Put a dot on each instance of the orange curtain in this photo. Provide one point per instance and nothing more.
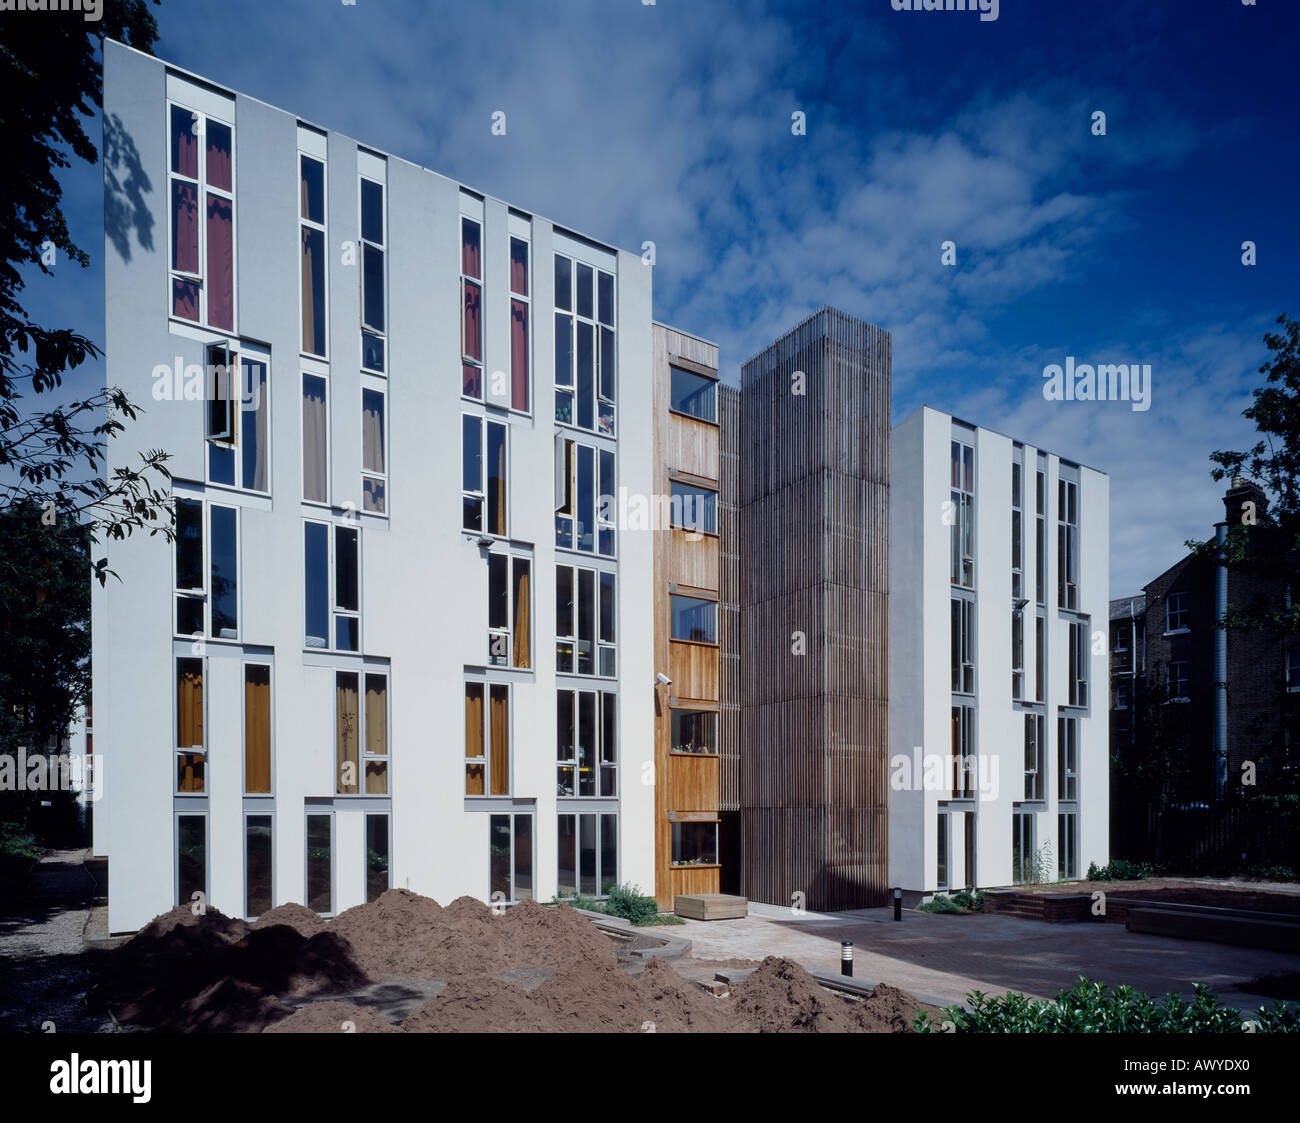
(376, 734)
(347, 760)
(500, 761)
(189, 703)
(257, 730)
(473, 737)
(523, 614)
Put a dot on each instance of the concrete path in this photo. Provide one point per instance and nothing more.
(941, 958)
(43, 972)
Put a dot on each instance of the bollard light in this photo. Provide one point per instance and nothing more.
(846, 958)
(898, 904)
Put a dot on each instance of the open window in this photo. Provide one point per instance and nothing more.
(238, 423)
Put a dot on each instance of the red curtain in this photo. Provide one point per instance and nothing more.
(519, 354)
(473, 337)
(221, 263)
(219, 157)
(469, 248)
(185, 227)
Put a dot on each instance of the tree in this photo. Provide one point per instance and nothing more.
(1270, 546)
(52, 458)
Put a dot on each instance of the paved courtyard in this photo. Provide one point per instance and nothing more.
(940, 958)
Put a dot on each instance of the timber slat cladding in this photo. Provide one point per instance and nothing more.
(729, 606)
(813, 549)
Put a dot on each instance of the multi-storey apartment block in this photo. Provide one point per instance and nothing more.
(399, 639)
(998, 660)
(687, 638)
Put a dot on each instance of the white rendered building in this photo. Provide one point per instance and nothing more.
(999, 742)
(395, 642)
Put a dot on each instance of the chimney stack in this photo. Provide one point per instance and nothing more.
(1241, 492)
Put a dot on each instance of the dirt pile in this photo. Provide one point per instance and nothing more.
(781, 997)
(185, 973)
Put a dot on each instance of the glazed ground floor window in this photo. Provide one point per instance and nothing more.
(191, 858)
(1067, 839)
(695, 844)
(510, 852)
(588, 853)
(377, 856)
(1022, 847)
(320, 863)
(258, 866)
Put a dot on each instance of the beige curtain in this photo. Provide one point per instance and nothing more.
(473, 737)
(254, 391)
(347, 735)
(257, 730)
(523, 614)
(372, 432)
(313, 439)
(376, 734)
(500, 761)
(309, 266)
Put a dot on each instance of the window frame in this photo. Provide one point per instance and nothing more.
(485, 423)
(511, 817)
(202, 187)
(961, 482)
(322, 228)
(364, 756)
(678, 837)
(238, 352)
(1181, 612)
(1035, 757)
(514, 558)
(177, 816)
(711, 386)
(962, 646)
(309, 814)
(371, 384)
(204, 593)
(1068, 731)
(179, 750)
(479, 282)
(488, 685)
(334, 611)
(525, 299)
(672, 619)
(365, 850)
(604, 414)
(601, 649)
(323, 379)
(267, 813)
(269, 665)
(382, 248)
(604, 756)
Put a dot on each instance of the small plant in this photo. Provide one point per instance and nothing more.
(971, 902)
(628, 902)
(1090, 1007)
(1041, 867)
(1270, 873)
(940, 903)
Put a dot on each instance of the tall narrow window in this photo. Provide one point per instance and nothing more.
(484, 480)
(588, 854)
(311, 215)
(962, 480)
(257, 729)
(191, 858)
(1017, 654)
(238, 427)
(315, 440)
(207, 571)
(963, 646)
(941, 839)
(258, 866)
(1034, 756)
(332, 586)
(1067, 544)
(471, 302)
(1040, 533)
(377, 864)
(1078, 664)
(520, 313)
(1040, 657)
(373, 276)
(1022, 847)
(224, 571)
(191, 747)
(347, 734)
(1067, 845)
(1017, 531)
(374, 472)
(521, 611)
(585, 352)
(510, 857)
(965, 765)
(1067, 759)
(320, 863)
(487, 739)
(361, 734)
(201, 175)
(375, 737)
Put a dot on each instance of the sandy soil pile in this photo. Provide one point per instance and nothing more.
(213, 973)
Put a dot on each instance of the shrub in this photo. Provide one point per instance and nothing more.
(1119, 869)
(971, 902)
(1270, 873)
(627, 901)
(18, 843)
(1090, 1007)
(940, 902)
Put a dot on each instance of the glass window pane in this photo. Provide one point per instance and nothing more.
(694, 395)
(693, 619)
(372, 211)
(219, 156)
(585, 295)
(372, 289)
(499, 857)
(185, 229)
(471, 248)
(316, 565)
(189, 544)
(346, 587)
(254, 407)
(376, 856)
(320, 864)
(224, 560)
(563, 283)
(587, 854)
(257, 729)
(257, 865)
(586, 499)
(606, 300)
(372, 431)
(518, 267)
(607, 608)
(496, 478)
(184, 147)
(191, 857)
(498, 591)
(608, 852)
(314, 438)
(567, 851)
(312, 196)
(523, 857)
(347, 733)
(587, 743)
(694, 508)
(607, 364)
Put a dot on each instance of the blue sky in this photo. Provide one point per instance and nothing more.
(671, 122)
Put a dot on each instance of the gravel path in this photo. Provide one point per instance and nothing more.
(43, 968)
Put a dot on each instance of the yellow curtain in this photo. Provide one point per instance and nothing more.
(497, 515)
(257, 729)
(523, 637)
(347, 761)
(500, 761)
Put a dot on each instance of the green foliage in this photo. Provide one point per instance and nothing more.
(627, 901)
(971, 902)
(1042, 869)
(52, 458)
(940, 903)
(1119, 869)
(1270, 873)
(18, 843)
(956, 904)
(1090, 1007)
